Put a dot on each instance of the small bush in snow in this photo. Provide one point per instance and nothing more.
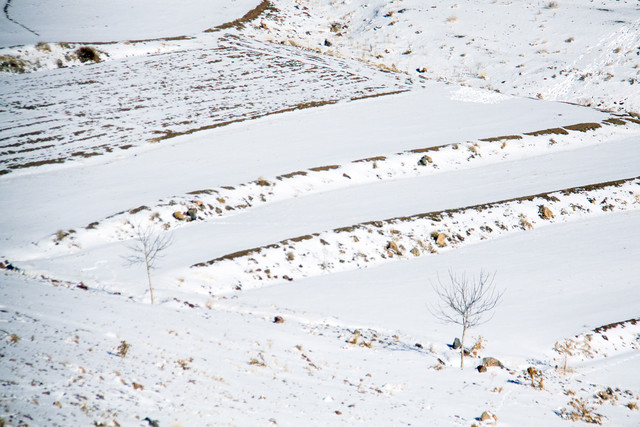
(123, 348)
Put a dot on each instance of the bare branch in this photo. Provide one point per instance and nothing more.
(147, 248)
(465, 302)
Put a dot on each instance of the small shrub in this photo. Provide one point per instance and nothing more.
(14, 339)
(43, 47)
(258, 361)
(60, 234)
(535, 376)
(581, 412)
(12, 64)
(184, 364)
(479, 345)
(86, 53)
(123, 348)
(263, 182)
(552, 5)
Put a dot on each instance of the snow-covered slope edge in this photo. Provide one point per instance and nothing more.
(378, 241)
(582, 52)
(207, 204)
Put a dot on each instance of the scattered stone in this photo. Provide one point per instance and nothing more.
(441, 240)
(193, 214)
(327, 43)
(456, 344)
(415, 251)
(278, 319)
(178, 215)
(491, 361)
(488, 416)
(152, 423)
(481, 368)
(425, 160)
(545, 212)
(393, 246)
(418, 345)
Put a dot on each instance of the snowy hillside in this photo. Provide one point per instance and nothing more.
(317, 169)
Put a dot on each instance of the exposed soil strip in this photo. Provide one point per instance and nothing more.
(248, 17)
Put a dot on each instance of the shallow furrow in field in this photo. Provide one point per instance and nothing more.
(119, 104)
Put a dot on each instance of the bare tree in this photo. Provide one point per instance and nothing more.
(147, 249)
(465, 302)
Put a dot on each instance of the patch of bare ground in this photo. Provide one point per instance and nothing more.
(253, 14)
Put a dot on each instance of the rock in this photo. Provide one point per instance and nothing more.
(491, 361)
(481, 368)
(456, 344)
(415, 251)
(418, 345)
(488, 416)
(178, 215)
(393, 246)
(545, 212)
(327, 43)
(425, 160)
(193, 214)
(441, 240)
(278, 319)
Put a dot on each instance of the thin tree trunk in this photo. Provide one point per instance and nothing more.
(464, 332)
(149, 278)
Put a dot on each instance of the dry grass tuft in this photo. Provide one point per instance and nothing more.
(43, 47)
(86, 54)
(123, 348)
(12, 64)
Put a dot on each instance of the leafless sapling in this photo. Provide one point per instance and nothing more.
(465, 301)
(147, 249)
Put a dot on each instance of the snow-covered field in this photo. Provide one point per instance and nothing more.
(319, 167)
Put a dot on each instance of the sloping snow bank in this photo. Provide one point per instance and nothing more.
(114, 20)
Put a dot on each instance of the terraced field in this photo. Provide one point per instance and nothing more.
(56, 116)
(311, 203)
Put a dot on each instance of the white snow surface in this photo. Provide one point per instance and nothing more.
(30, 21)
(330, 186)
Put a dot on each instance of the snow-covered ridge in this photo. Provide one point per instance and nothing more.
(374, 242)
(208, 204)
